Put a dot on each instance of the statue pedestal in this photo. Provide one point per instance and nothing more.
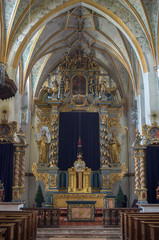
(11, 206)
(149, 207)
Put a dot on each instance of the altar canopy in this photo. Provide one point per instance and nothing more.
(72, 125)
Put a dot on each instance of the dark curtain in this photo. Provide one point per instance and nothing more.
(6, 169)
(152, 173)
(71, 124)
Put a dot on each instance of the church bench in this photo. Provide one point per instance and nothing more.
(29, 222)
(10, 230)
(34, 220)
(18, 230)
(131, 223)
(127, 210)
(137, 233)
(26, 222)
(145, 230)
(3, 233)
(127, 227)
(154, 232)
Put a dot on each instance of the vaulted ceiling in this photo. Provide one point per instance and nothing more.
(38, 34)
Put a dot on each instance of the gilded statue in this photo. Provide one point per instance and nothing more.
(102, 88)
(43, 147)
(114, 148)
(91, 86)
(54, 86)
(66, 87)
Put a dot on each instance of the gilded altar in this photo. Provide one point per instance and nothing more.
(60, 199)
(149, 137)
(9, 134)
(80, 86)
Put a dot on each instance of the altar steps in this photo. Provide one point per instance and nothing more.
(79, 232)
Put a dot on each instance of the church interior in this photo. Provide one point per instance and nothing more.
(79, 106)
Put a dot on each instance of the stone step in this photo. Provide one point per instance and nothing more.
(111, 233)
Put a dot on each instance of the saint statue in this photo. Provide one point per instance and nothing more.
(67, 87)
(54, 86)
(114, 148)
(1, 191)
(43, 147)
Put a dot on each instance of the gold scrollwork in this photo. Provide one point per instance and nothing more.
(114, 122)
(41, 176)
(59, 200)
(54, 139)
(42, 121)
(7, 130)
(105, 181)
(114, 177)
(53, 180)
(79, 100)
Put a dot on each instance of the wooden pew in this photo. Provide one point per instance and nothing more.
(131, 223)
(34, 221)
(137, 225)
(127, 227)
(19, 228)
(30, 218)
(26, 222)
(145, 230)
(3, 232)
(10, 230)
(126, 210)
(154, 232)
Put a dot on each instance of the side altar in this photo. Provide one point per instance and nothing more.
(78, 87)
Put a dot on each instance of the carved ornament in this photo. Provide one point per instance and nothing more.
(114, 177)
(42, 121)
(41, 176)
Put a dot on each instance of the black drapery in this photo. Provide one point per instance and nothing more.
(152, 172)
(6, 169)
(70, 126)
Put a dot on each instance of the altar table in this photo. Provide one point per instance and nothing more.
(81, 211)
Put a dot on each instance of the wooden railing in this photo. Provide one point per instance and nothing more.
(111, 216)
(50, 217)
(47, 217)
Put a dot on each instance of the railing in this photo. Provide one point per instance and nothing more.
(50, 217)
(47, 217)
(111, 216)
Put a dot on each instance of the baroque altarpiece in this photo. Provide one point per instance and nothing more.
(80, 89)
(9, 134)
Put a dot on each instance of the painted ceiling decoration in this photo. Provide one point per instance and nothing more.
(37, 35)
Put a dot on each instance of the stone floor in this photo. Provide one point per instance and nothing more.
(76, 233)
